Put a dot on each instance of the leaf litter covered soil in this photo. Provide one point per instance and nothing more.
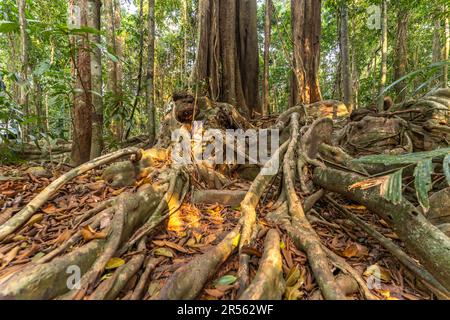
(188, 232)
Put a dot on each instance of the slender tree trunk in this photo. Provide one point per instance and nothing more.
(345, 59)
(267, 34)
(384, 49)
(38, 105)
(186, 30)
(140, 66)
(437, 42)
(401, 52)
(446, 52)
(226, 66)
(115, 73)
(23, 95)
(306, 30)
(82, 97)
(94, 16)
(151, 124)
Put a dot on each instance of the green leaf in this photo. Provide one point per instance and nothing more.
(8, 26)
(423, 183)
(114, 263)
(225, 280)
(446, 166)
(393, 192)
(408, 158)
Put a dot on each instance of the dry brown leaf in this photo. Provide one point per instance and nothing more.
(35, 219)
(355, 250)
(9, 256)
(9, 192)
(50, 209)
(165, 243)
(63, 237)
(215, 293)
(89, 234)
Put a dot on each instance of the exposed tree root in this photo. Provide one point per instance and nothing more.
(427, 242)
(49, 280)
(268, 283)
(248, 207)
(110, 288)
(187, 282)
(27, 212)
(141, 286)
(396, 251)
(304, 235)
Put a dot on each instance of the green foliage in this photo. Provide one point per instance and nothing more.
(423, 162)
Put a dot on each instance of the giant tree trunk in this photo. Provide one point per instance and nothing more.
(401, 52)
(267, 31)
(345, 58)
(306, 30)
(23, 97)
(227, 54)
(94, 17)
(151, 125)
(82, 99)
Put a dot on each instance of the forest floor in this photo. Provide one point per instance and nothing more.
(191, 231)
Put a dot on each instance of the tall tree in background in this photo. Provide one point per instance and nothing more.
(23, 94)
(115, 69)
(436, 57)
(150, 81)
(401, 52)
(82, 96)
(267, 34)
(384, 52)
(446, 51)
(227, 54)
(94, 16)
(306, 30)
(347, 83)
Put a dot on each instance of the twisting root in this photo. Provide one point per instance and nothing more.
(304, 235)
(434, 285)
(138, 292)
(111, 246)
(27, 212)
(170, 204)
(110, 288)
(342, 265)
(268, 283)
(248, 207)
(94, 222)
(188, 281)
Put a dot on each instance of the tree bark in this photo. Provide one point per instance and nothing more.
(436, 57)
(430, 245)
(82, 99)
(306, 30)
(226, 66)
(267, 34)
(384, 49)
(151, 124)
(345, 59)
(446, 52)
(23, 95)
(401, 52)
(115, 70)
(94, 16)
